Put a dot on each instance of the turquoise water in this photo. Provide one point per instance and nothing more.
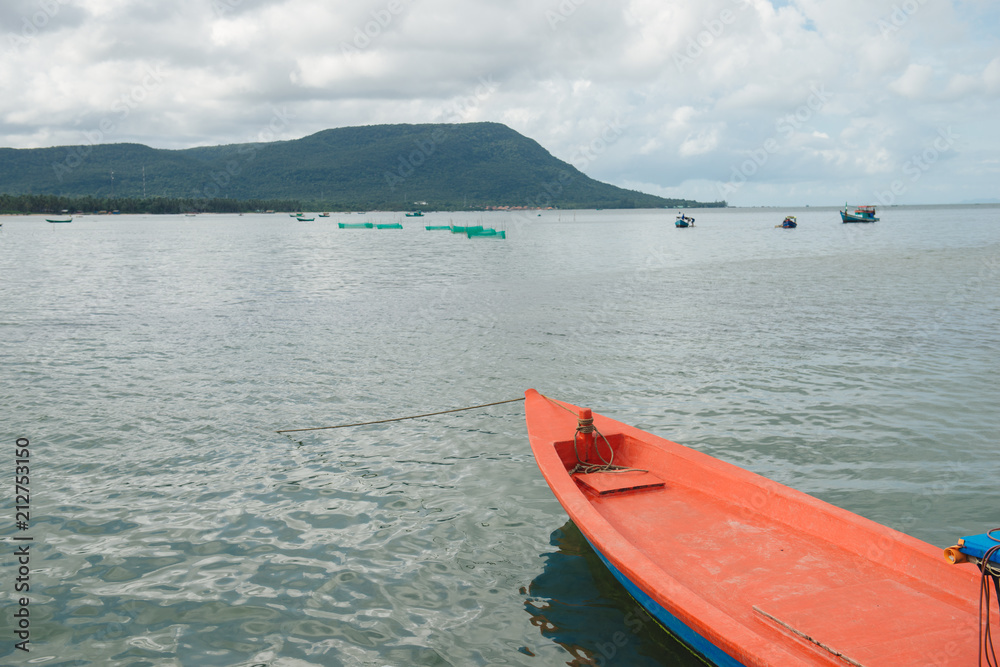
(150, 360)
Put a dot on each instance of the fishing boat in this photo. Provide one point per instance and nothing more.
(54, 220)
(747, 571)
(683, 221)
(304, 219)
(415, 214)
(325, 214)
(789, 222)
(861, 214)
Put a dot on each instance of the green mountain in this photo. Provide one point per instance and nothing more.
(443, 166)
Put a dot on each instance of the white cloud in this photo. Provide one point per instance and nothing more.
(704, 141)
(694, 87)
(915, 81)
(991, 77)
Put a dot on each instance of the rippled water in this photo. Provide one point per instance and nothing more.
(150, 361)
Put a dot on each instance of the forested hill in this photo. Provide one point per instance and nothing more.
(465, 165)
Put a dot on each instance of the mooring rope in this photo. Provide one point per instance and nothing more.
(587, 426)
(988, 572)
(398, 419)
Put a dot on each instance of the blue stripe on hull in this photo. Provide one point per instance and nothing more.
(694, 640)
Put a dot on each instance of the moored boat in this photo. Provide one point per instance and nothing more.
(304, 219)
(54, 220)
(415, 214)
(747, 571)
(683, 221)
(861, 214)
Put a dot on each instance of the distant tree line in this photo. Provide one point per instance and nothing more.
(28, 203)
(48, 204)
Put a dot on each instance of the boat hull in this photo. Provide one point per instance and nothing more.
(671, 623)
(747, 571)
(847, 217)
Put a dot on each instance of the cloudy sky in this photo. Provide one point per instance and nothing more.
(759, 102)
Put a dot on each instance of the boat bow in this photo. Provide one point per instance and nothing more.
(745, 570)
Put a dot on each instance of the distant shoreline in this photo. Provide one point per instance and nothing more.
(771, 207)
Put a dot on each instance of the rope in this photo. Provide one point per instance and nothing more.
(559, 405)
(397, 419)
(585, 426)
(989, 572)
(605, 465)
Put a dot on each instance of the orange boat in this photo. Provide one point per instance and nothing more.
(747, 571)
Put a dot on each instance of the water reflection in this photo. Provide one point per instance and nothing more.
(577, 603)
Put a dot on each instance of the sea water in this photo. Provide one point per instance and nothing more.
(148, 361)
